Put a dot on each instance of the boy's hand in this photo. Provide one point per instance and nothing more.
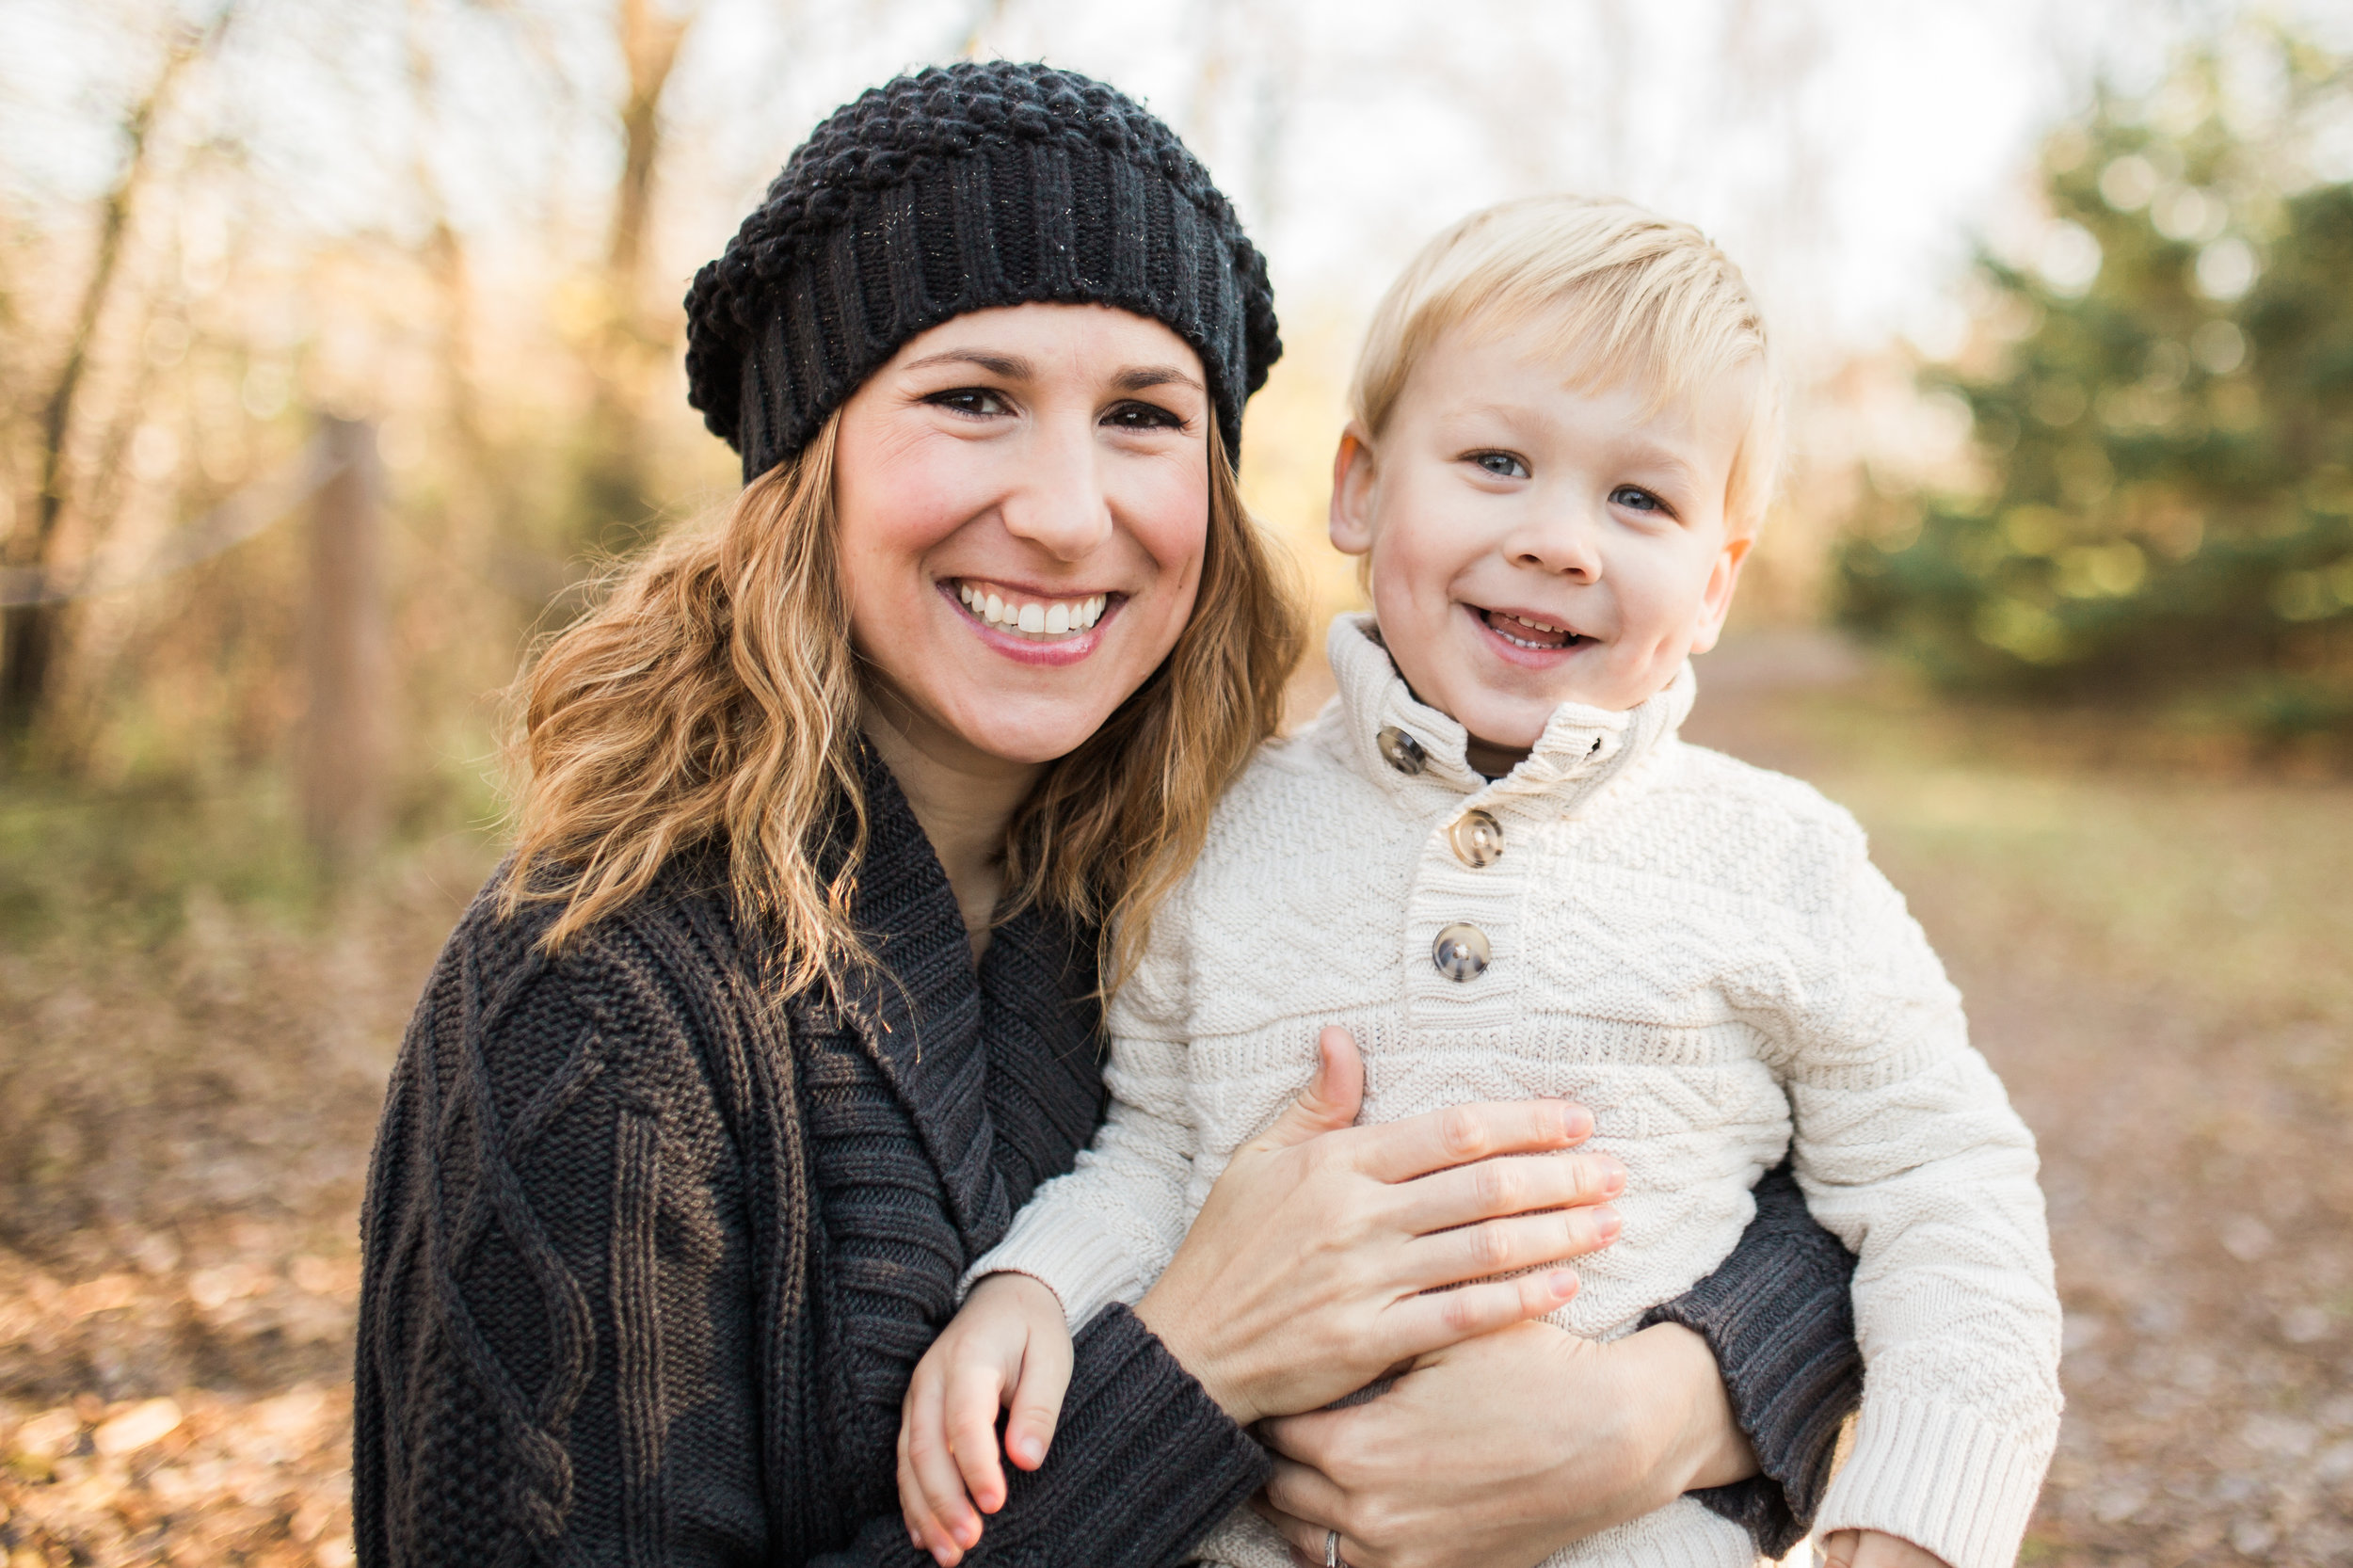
(1008, 1348)
(1876, 1549)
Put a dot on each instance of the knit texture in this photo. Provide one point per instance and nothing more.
(649, 1256)
(1698, 951)
(1785, 1346)
(962, 188)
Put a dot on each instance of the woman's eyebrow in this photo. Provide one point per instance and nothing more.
(1012, 367)
(1143, 377)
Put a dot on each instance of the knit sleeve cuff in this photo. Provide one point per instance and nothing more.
(1068, 1251)
(1779, 1315)
(1143, 1463)
(1942, 1477)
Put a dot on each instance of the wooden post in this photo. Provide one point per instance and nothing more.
(344, 731)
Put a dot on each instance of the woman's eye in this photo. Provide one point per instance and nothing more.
(1501, 464)
(1635, 498)
(977, 401)
(1142, 416)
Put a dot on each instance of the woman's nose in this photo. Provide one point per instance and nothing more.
(1060, 505)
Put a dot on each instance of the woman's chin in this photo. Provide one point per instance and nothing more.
(1028, 739)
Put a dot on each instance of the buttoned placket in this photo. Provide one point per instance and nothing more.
(1464, 937)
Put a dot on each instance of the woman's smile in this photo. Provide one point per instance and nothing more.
(1031, 626)
(1023, 497)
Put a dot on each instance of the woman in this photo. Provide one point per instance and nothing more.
(787, 998)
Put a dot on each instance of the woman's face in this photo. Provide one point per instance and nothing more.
(1023, 500)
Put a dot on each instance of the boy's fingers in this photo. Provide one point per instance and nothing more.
(936, 1482)
(910, 1514)
(976, 1391)
(1443, 1318)
(922, 1530)
(1037, 1399)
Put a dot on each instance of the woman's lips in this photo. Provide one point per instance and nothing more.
(1083, 619)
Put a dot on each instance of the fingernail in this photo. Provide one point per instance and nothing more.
(1576, 1121)
(1028, 1449)
(1613, 1183)
(1563, 1285)
(1607, 1221)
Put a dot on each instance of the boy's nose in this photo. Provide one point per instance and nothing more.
(1563, 543)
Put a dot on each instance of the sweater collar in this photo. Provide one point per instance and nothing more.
(928, 1018)
(1581, 751)
(921, 1017)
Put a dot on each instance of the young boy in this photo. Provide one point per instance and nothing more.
(1492, 860)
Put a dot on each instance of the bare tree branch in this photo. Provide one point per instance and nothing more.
(28, 632)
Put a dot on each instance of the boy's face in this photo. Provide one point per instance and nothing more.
(1533, 545)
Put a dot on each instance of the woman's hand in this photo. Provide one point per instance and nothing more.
(1321, 1259)
(1501, 1451)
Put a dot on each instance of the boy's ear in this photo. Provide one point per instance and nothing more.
(1355, 483)
(1716, 602)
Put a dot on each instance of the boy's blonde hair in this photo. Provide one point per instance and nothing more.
(1624, 294)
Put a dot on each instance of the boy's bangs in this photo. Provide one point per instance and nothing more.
(1603, 340)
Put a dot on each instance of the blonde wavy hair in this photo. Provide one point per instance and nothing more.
(713, 699)
(1616, 293)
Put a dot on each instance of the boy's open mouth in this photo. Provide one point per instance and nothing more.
(1526, 631)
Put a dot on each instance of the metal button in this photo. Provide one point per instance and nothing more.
(1401, 751)
(1477, 839)
(1461, 952)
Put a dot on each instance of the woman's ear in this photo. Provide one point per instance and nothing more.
(1355, 486)
(1716, 601)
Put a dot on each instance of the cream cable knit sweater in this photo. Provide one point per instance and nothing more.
(1698, 951)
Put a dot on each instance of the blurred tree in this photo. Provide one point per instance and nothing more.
(628, 343)
(30, 633)
(2162, 401)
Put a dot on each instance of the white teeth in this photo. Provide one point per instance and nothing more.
(1054, 618)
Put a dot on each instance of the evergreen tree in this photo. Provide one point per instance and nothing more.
(2165, 419)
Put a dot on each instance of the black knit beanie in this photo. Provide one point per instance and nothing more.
(961, 188)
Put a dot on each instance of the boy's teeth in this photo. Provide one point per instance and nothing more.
(1539, 634)
(1040, 618)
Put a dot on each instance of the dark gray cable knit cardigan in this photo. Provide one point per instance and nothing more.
(651, 1257)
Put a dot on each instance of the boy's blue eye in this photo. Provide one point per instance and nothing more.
(1501, 464)
(1638, 499)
